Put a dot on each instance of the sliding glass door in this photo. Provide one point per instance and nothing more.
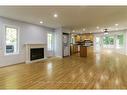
(114, 41)
(119, 41)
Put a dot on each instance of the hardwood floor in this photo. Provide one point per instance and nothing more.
(105, 70)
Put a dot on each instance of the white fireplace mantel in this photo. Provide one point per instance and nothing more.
(28, 46)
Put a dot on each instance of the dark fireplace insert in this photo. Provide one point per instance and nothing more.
(36, 53)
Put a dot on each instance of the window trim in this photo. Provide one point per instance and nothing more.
(17, 28)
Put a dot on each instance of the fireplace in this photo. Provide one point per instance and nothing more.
(36, 53)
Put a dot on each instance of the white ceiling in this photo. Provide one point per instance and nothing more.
(73, 17)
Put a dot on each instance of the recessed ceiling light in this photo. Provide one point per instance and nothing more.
(97, 27)
(73, 31)
(55, 15)
(116, 24)
(84, 29)
(41, 22)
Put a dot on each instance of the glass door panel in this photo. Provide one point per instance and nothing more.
(119, 41)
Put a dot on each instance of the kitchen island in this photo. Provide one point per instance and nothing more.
(83, 51)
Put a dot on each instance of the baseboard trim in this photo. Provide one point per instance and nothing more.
(11, 64)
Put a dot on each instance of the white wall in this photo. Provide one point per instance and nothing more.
(58, 42)
(29, 33)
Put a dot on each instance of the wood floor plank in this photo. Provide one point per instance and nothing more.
(104, 70)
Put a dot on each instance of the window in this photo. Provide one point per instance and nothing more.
(49, 41)
(11, 43)
(108, 41)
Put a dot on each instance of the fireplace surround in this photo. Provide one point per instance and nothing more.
(35, 52)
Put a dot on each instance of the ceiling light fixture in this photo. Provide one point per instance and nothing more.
(84, 29)
(73, 31)
(116, 24)
(97, 27)
(55, 15)
(41, 22)
(105, 31)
